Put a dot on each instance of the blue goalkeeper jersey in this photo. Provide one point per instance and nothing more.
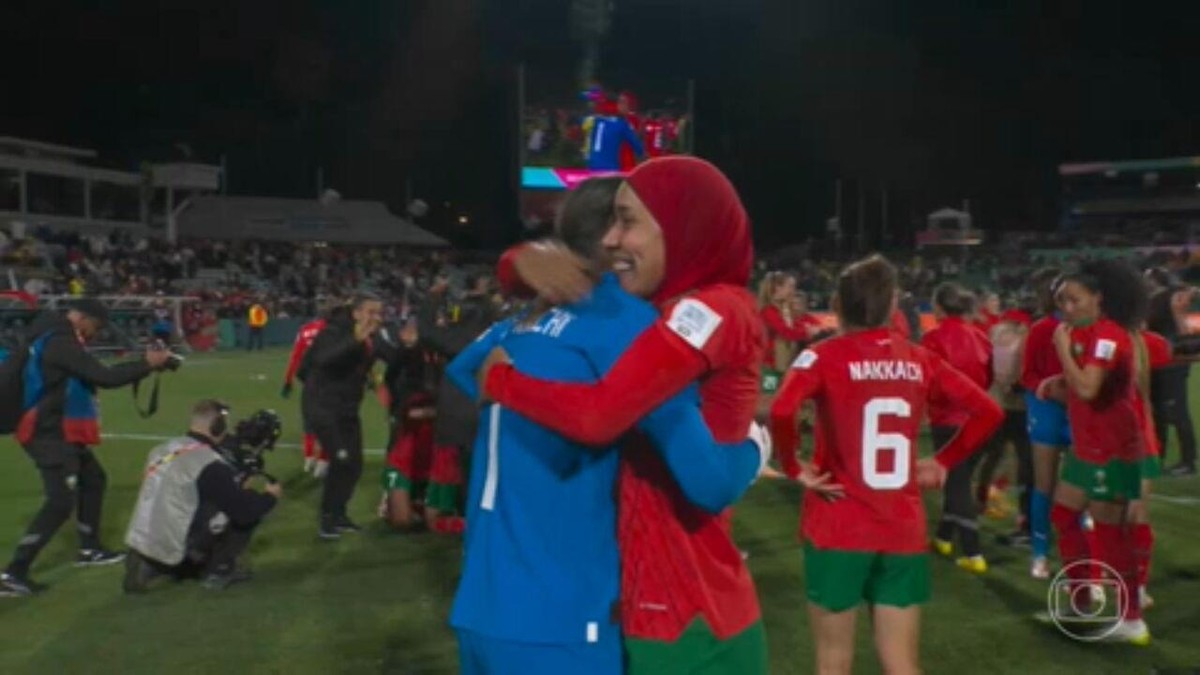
(540, 561)
(604, 143)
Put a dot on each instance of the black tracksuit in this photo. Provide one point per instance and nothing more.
(1169, 387)
(334, 371)
(72, 478)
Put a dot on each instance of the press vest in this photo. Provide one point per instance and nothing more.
(168, 499)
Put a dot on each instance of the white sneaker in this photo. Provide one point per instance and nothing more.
(309, 462)
(1131, 632)
(320, 469)
(1040, 569)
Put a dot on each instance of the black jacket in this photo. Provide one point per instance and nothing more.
(462, 322)
(64, 357)
(335, 369)
(219, 487)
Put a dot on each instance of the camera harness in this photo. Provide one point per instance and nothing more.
(152, 404)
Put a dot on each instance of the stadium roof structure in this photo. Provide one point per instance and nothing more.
(1108, 167)
(269, 218)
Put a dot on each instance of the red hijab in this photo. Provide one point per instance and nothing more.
(705, 227)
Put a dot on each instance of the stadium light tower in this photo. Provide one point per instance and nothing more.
(590, 21)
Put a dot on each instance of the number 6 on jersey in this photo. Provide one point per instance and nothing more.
(874, 442)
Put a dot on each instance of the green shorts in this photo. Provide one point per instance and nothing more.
(1116, 481)
(394, 479)
(699, 651)
(442, 497)
(1151, 467)
(841, 580)
(770, 380)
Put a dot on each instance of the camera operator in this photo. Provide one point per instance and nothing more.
(194, 512)
(57, 432)
(335, 377)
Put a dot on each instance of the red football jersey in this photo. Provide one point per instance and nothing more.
(655, 135)
(412, 453)
(1109, 426)
(963, 346)
(304, 339)
(1040, 361)
(1158, 350)
(871, 391)
(678, 561)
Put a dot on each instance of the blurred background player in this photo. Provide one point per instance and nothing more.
(1049, 433)
(409, 463)
(1154, 354)
(967, 349)
(405, 377)
(863, 521)
(316, 459)
(627, 108)
(1169, 304)
(609, 132)
(786, 333)
(447, 325)
(1102, 304)
(1008, 341)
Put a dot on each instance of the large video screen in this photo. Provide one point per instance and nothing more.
(570, 133)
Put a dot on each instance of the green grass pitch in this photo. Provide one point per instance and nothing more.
(377, 603)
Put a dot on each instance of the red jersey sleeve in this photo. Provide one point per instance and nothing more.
(700, 333)
(510, 282)
(933, 342)
(299, 346)
(803, 382)
(1158, 350)
(950, 388)
(657, 366)
(779, 328)
(1102, 347)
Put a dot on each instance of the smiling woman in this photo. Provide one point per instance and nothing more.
(636, 245)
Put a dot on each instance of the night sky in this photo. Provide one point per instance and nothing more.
(934, 101)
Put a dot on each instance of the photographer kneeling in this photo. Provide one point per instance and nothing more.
(194, 514)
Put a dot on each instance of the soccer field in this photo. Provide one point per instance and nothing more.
(379, 602)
